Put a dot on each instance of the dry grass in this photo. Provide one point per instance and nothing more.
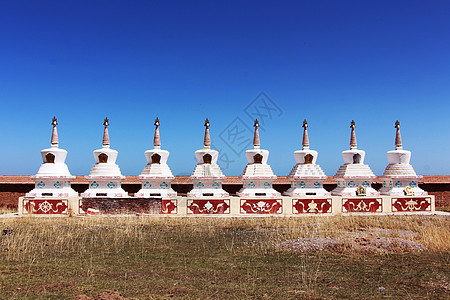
(6, 210)
(160, 257)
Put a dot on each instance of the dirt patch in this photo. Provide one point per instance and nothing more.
(81, 297)
(359, 244)
(109, 295)
(106, 295)
(60, 286)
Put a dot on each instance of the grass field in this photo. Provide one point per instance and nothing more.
(223, 258)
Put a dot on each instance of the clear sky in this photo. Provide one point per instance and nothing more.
(183, 61)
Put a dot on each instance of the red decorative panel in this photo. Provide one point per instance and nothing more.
(362, 205)
(169, 206)
(300, 206)
(46, 206)
(411, 204)
(261, 206)
(208, 206)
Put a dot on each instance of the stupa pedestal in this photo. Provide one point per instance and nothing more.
(399, 178)
(156, 177)
(207, 177)
(354, 178)
(105, 178)
(306, 176)
(257, 176)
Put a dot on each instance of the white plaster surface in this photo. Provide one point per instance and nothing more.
(207, 178)
(105, 178)
(399, 175)
(53, 179)
(156, 178)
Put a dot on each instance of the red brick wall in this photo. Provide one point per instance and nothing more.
(10, 193)
(440, 190)
(442, 198)
(10, 199)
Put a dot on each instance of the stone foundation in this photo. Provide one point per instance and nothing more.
(228, 206)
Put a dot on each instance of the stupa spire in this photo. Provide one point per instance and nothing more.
(398, 137)
(105, 142)
(54, 140)
(305, 142)
(256, 142)
(353, 143)
(207, 139)
(156, 138)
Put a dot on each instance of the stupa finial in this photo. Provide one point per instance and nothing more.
(156, 138)
(398, 137)
(256, 142)
(54, 140)
(353, 143)
(207, 139)
(105, 142)
(305, 142)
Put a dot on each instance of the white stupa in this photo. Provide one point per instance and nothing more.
(257, 176)
(105, 178)
(207, 176)
(53, 178)
(354, 178)
(306, 177)
(399, 178)
(156, 176)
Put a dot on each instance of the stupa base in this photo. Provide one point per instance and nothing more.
(52, 186)
(105, 193)
(258, 187)
(306, 192)
(402, 192)
(401, 186)
(354, 186)
(155, 185)
(255, 192)
(207, 187)
(353, 192)
(46, 193)
(151, 193)
(198, 193)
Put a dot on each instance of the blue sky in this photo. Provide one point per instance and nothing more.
(183, 61)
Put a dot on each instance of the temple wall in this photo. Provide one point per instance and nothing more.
(228, 206)
(13, 187)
